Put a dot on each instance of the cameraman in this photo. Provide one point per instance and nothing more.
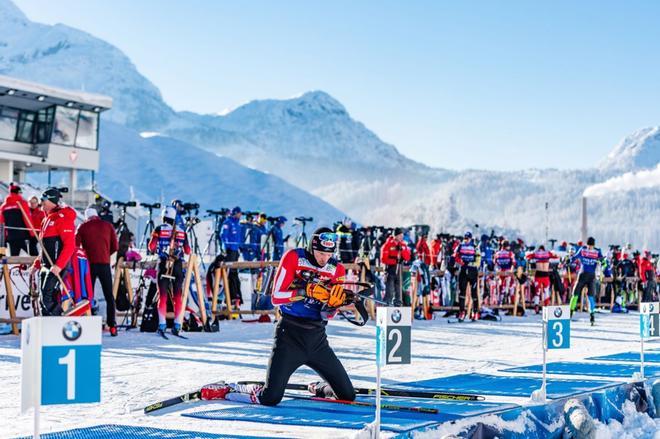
(392, 253)
(232, 233)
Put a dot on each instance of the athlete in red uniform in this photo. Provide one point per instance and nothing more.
(308, 291)
(541, 276)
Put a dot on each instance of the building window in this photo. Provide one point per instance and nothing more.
(44, 128)
(8, 120)
(87, 129)
(66, 123)
(25, 127)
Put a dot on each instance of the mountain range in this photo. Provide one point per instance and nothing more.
(311, 141)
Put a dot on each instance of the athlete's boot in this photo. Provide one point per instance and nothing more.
(592, 319)
(573, 303)
(461, 316)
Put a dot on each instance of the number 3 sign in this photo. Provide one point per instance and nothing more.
(393, 335)
(558, 327)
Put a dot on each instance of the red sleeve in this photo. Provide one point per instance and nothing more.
(340, 273)
(529, 256)
(186, 246)
(286, 272)
(405, 252)
(27, 218)
(66, 232)
(153, 242)
(385, 252)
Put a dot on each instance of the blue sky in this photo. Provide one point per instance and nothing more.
(487, 84)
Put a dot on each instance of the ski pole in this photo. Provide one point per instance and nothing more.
(427, 410)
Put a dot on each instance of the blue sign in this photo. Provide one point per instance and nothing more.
(70, 374)
(645, 325)
(558, 334)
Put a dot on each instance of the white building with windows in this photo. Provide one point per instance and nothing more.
(50, 135)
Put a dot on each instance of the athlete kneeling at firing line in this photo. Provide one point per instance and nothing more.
(304, 290)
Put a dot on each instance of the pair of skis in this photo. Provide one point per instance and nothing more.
(403, 393)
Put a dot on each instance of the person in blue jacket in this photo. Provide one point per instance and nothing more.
(277, 233)
(590, 257)
(231, 236)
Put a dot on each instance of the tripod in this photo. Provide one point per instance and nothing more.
(301, 240)
(123, 233)
(150, 226)
(218, 218)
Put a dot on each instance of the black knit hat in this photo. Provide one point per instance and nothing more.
(52, 194)
(323, 240)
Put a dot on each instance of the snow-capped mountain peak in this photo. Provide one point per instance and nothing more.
(639, 150)
(9, 12)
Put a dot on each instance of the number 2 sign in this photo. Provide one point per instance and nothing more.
(393, 335)
(558, 327)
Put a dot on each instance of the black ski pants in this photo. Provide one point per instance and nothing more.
(50, 292)
(16, 245)
(103, 273)
(297, 344)
(585, 280)
(234, 281)
(393, 293)
(468, 276)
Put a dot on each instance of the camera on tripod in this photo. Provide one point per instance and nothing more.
(222, 212)
(125, 204)
(151, 206)
(190, 206)
(192, 221)
(303, 219)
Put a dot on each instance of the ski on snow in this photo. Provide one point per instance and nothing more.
(401, 393)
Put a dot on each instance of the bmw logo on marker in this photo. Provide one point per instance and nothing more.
(396, 316)
(72, 330)
(558, 312)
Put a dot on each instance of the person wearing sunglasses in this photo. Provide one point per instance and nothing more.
(307, 289)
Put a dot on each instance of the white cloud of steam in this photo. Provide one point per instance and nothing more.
(628, 181)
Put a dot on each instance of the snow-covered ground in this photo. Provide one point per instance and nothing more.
(138, 369)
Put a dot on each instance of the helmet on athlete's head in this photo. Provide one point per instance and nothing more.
(169, 212)
(468, 235)
(323, 240)
(281, 219)
(591, 241)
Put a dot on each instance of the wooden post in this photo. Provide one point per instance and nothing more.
(10, 292)
(118, 270)
(200, 292)
(186, 286)
(413, 294)
(216, 287)
(225, 283)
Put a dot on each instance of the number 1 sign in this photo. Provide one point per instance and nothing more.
(61, 362)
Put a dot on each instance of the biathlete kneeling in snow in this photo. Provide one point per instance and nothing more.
(307, 289)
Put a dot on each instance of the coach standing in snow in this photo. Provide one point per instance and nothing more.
(232, 239)
(99, 240)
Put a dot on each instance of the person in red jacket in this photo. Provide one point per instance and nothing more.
(58, 245)
(392, 254)
(436, 251)
(17, 232)
(37, 215)
(99, 240)
(647, 276)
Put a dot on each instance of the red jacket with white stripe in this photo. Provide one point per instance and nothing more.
(296, 269)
